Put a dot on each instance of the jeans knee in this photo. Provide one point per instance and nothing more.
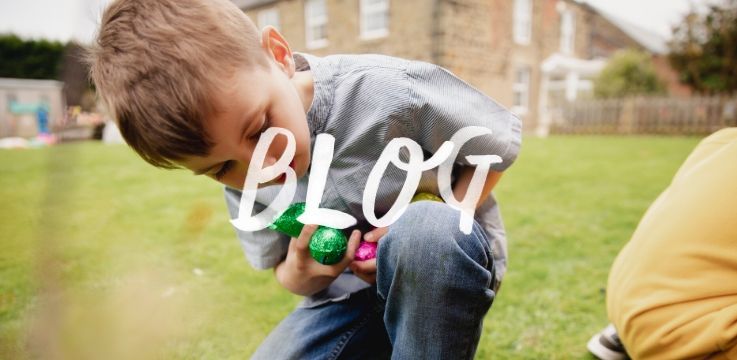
(424, 254)
(421, 225)
(428, 232)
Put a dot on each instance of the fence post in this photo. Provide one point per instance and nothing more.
(729, 111)
(627, 118)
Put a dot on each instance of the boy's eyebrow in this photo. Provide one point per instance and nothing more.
(246, 126)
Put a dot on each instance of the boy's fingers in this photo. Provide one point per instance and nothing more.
(375, 234)
(369, 278)
(303, 241)
(365, 267)
(350, 252)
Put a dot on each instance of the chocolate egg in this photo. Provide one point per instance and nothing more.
(366, 251)
(426, 196)
(327, 245)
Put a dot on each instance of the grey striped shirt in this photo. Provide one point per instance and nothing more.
(364, 101)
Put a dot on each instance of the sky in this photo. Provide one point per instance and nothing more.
(51, 19)
(76, 19)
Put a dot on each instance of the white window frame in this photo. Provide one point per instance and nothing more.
(315, 20)
(522, 21)
(521, 86)
(269, 16)
(368, 9)
(567, 32)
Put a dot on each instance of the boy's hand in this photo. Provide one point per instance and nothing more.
(366, 270)
(301, 274)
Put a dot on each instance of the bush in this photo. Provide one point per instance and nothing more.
(628, 73)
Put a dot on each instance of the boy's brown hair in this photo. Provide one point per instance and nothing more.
(155, 64)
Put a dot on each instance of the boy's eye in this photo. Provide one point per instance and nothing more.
(264, 127)
(224, 169)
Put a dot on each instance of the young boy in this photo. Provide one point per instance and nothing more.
(193, 83)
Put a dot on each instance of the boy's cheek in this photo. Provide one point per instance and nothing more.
(233, 179)
(276, 150)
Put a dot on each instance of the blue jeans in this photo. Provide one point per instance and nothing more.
(434, 286)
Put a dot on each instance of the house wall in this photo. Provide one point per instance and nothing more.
(26, 92)
(605, 38)
(410, 28)
(468, 43)
(477, 45)
(670, 77)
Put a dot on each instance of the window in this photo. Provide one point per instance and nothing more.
(522, 21)
(316, 23)
(268, 17)
(374, 18)
(567, 32)
(521, 90)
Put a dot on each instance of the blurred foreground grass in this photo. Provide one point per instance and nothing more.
(103, 256)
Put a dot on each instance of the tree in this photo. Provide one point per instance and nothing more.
(628, 72)
(704, 49)
(30, 59)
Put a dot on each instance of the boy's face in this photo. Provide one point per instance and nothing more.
(251, 101)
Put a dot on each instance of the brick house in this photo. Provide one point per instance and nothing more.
(529, 55)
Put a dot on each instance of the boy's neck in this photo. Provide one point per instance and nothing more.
(304, 84)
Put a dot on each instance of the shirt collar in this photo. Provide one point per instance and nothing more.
(322, 99)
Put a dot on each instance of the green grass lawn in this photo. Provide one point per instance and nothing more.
(103, 256)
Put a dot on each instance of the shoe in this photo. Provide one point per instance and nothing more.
(606, 345)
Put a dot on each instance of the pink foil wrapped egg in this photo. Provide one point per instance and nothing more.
(366, 251)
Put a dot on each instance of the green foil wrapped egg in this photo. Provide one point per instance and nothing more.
(287, 222)
(426, 196)
(327, 245)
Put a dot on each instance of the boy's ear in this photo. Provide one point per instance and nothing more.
(277, 49)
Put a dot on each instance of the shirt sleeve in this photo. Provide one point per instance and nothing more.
(441, 104)
(265, 248)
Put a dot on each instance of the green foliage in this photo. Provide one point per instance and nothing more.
(30, 59)
(704, 49)
(628, 73)
(79, 221)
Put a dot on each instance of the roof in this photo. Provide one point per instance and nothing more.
(646, 38)
(247, 4)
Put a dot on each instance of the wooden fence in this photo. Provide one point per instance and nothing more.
(670, 116)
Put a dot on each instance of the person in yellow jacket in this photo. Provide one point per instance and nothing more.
(672, 290)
